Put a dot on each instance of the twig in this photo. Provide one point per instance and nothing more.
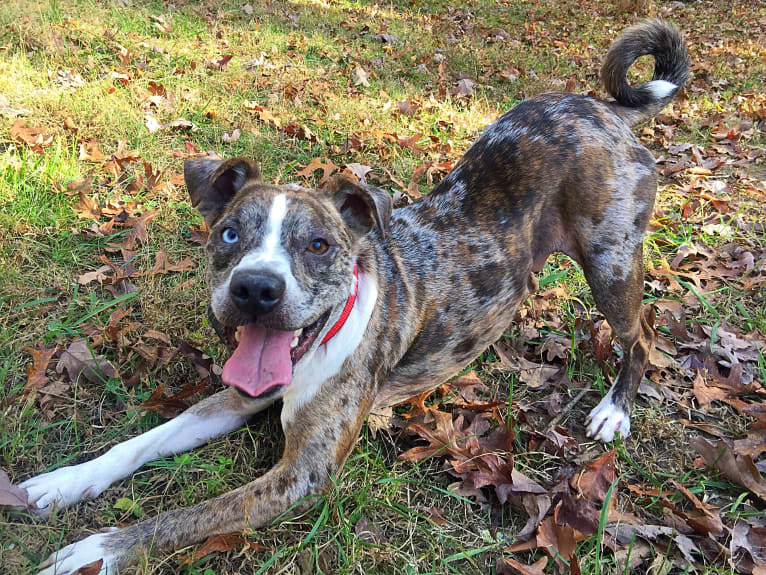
(568, 407)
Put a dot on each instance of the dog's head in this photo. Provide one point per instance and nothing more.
(280, 262)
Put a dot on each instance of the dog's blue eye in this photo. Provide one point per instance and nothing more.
(229, 236)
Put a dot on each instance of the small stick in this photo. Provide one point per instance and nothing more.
(568, 407)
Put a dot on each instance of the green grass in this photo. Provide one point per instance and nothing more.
(308, 48)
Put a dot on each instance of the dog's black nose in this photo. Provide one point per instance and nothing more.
(256, 293)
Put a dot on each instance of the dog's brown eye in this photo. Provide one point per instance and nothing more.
(318, 246)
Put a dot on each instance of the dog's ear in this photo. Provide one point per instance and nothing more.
(361, 206)
(213, 182)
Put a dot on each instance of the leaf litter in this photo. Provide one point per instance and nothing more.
(706, 370)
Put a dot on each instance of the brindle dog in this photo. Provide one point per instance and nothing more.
(343, 306)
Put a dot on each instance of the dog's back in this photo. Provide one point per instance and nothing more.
(558, 172)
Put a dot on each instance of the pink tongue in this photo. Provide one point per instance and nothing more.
(261, 360)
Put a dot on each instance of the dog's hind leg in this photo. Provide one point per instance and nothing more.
(212, 417)
(616, 280)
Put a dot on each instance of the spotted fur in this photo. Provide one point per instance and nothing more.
(559, 172)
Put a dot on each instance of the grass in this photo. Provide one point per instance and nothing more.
(306, 51)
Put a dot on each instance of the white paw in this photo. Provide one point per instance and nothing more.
(69, 559)
(606, 419)
(63, 487)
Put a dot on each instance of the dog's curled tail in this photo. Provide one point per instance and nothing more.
(671, 68)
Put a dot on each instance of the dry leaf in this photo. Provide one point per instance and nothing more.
(596, 477)
(41, 357)
(152, 124)
(263, 114)
(737, 468)
(360, 77)
(9, 112)
(181, 124)
(35, 138)
(99, 275)
(87, 207)
(463, 88)
(78, 359)
(220, 544)
(171, 405)
(93, 568)
(10, 495)
(538, 568)
(90, 152)
(327, 168)
(162, 265)
(359, 171)
(233, 137)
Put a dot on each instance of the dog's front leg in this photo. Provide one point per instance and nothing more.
(317, 442)
(210, 418)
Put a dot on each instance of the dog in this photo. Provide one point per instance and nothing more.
(337, 305)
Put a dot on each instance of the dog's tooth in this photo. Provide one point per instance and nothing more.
(237, 333)
(294, 343)
(298, 332)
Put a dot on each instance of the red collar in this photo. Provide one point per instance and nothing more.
(346, 310)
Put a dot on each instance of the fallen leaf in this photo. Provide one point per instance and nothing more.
(233, 137)
(596, 477)
(78, 359)
(220, 544)
(163, 265)
(90, 152)
(10, 112)
(407, 108)
(386, 38)
(300, 132)
(369, 532)
(737, 468)
(87, 207)
(534, 375)
(263, 114)
(379, 420)
(359, 171)
(755, 442)
(538, 568)
(704, 393)
(753, 541)
(213, 64)
(169, 406)
(152, 124)
(625, 533)
(202, 363)
(54, 395)
(35, 138)
(181, 124)
(10, 495)
(315, 164)
(463, 88)
(558, 541)
(93, 568)
(705, 519)
(359, 77)
(36, 376)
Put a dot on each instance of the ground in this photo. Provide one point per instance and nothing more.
(101, 268)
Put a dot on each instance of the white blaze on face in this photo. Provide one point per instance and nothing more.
(270, 255)
(270, 249)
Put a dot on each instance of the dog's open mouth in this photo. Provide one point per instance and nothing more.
(263, 358)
